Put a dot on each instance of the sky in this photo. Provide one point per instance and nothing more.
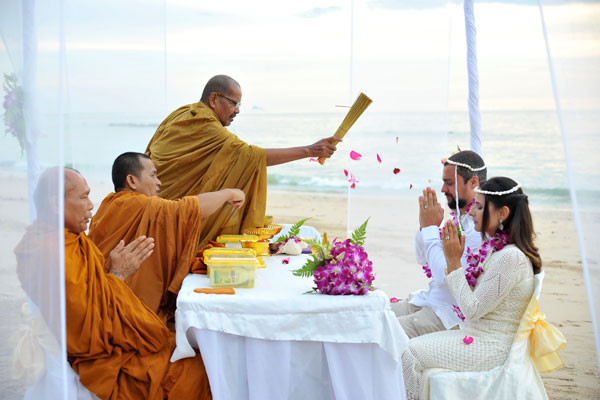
(312, 55)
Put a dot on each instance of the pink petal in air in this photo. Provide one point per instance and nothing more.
(467, 340)
(285, 260)
(394, 300)
(314, 160)
(355, 156)
(410, 186)
(346, 172)
(458, 147)
(378, 158)
(396, 171)
(353, 186)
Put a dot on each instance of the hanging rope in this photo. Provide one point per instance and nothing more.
(474, 114)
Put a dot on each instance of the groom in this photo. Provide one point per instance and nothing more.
(431, 310)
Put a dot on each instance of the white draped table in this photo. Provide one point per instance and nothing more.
(274, 341)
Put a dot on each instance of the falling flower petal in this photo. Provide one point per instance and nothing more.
(468, 340)
(396, 139)
(458, 147)
(355, 156)
(396, 171)
(378, 158)
(394, 300)
(346, 172)
(410, 186)
(285, 260)
(353, 186)
(314, 160)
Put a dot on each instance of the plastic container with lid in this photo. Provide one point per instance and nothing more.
(232, 272)
(228, 252)
(235, 240)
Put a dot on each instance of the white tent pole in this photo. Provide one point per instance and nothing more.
(474, 114)
(350, 99)
(572, 192)
(29, 101)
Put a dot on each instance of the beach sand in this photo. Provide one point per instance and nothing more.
(390, 238)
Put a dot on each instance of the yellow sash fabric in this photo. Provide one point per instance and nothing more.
(544, 339)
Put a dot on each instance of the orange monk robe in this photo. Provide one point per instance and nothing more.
(117, 345)
(175, 227)
(194, 153)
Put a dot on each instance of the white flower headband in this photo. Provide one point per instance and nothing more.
(467, 166)
(502, 193)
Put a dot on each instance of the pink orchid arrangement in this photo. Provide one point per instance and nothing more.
(342, 267)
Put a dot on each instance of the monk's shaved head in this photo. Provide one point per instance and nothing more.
(218, 83)
(46, 191)
(129, 163)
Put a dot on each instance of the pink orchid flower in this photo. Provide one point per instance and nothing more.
(355, 156)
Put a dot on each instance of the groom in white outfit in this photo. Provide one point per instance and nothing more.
(431, 310)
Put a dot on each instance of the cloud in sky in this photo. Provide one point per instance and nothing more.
(318, 11)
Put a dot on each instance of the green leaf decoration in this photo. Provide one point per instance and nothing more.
(294, 230)
(360, 234)
(308, 268)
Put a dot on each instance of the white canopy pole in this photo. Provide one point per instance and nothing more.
(474, 114)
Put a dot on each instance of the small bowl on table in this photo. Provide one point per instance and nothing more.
(261, 247)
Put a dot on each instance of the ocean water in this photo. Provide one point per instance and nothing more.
(524, 145)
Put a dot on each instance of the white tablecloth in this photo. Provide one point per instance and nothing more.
(275, 342)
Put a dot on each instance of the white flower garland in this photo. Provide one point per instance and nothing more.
(467, 166)
(511, 190)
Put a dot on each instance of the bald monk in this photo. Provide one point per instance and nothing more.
(135, 209)
(194, 153)
(117, 345)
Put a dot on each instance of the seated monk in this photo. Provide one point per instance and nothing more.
(136, 210)
(118, 346)
(195, 153)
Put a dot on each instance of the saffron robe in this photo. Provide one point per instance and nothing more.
(175, 227)
(116, 344)
(194, 153)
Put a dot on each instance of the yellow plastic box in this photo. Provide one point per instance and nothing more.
(235, 238)
(239, 273)
(228, 252)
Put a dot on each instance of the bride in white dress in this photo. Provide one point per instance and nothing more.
(491, 297)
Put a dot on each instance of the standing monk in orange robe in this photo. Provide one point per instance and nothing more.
(117, 345)
(136, 210)
(194, 153)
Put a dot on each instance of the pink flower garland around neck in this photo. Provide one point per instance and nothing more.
(476, 260)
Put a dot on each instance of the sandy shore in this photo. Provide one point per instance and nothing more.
(390, 245)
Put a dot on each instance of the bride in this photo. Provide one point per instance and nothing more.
(491, 296)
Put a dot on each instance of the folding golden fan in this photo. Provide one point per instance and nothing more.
(360, 105)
